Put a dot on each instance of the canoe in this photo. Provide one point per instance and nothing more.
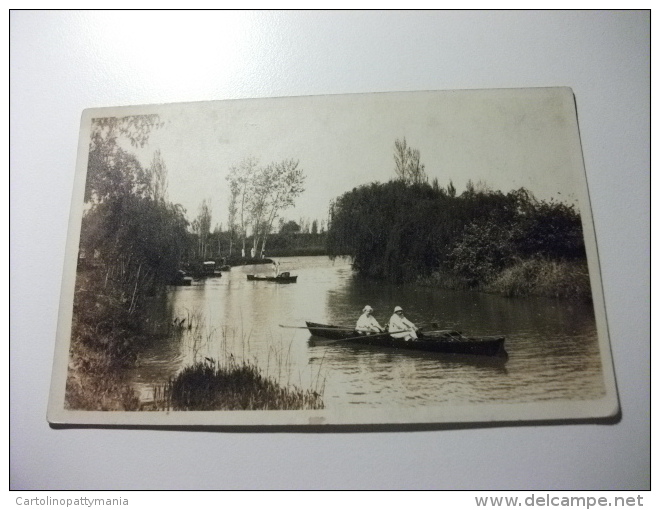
(276, 279)
(449, 342)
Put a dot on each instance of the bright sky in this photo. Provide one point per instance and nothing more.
(505, 138)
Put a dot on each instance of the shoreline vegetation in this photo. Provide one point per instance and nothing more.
(567, 280)
(408, 230)
(211, 386)
(106, 342)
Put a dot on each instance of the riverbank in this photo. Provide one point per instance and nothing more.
(94, 383)
(106, 341)
(311, 251)
(211, 386)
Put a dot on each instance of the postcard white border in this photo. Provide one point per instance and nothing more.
(505, 413)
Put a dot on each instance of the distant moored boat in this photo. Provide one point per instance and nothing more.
(285, 277)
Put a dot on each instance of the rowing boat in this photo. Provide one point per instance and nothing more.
(450, 342)
(282, 278)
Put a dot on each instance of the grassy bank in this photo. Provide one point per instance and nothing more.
(568, 280)
(534, 277)
(106, 341)
(95, 383)
(210, 386)
(104, 337)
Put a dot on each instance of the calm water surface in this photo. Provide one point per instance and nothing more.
(552, 345)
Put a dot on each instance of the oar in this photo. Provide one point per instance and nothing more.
(318, 327)
(451, 332)
(436, 327)
(445, 332)
(361, 337)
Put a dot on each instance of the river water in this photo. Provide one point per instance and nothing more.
(552, 344)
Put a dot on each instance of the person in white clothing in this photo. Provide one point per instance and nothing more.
(367, 323)
(400, 327)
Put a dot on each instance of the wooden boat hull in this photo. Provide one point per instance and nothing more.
(183, 282)
(275, 279)
(430, 342)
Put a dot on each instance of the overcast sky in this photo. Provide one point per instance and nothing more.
(505, 138)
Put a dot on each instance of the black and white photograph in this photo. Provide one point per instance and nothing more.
(376, 258)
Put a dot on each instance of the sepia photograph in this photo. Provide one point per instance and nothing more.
(362, 259)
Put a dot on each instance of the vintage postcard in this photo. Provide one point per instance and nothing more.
(387, 258)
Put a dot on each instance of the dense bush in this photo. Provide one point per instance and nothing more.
(484, 249)
(402, 231)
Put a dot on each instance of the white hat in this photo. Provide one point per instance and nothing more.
(398, 309)
(367, 309)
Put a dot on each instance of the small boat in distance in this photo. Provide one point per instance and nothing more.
(443, 341)
(181, 279)
(280, 278)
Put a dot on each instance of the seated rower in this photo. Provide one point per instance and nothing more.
(400, 327)
(367, 323)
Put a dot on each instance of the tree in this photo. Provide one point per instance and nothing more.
(139, 235)
(290, 227)
(234, 192)
(263, 183)
(157, 177)
(240, 181)
(111, 171)
(284, 182)
(259, 194)
(201, 226)
(408, 166)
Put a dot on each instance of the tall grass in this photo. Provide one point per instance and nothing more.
(106, 342)
(105, 339)
(231, 380)
(533, 277)
(208, 385)
(541, 277)
(94, 385)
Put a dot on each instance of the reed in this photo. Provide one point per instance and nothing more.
(541, 277)
(532, 277)
(211, 386)
(234, 382)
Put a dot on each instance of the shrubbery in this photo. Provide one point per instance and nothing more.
(404, 231)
